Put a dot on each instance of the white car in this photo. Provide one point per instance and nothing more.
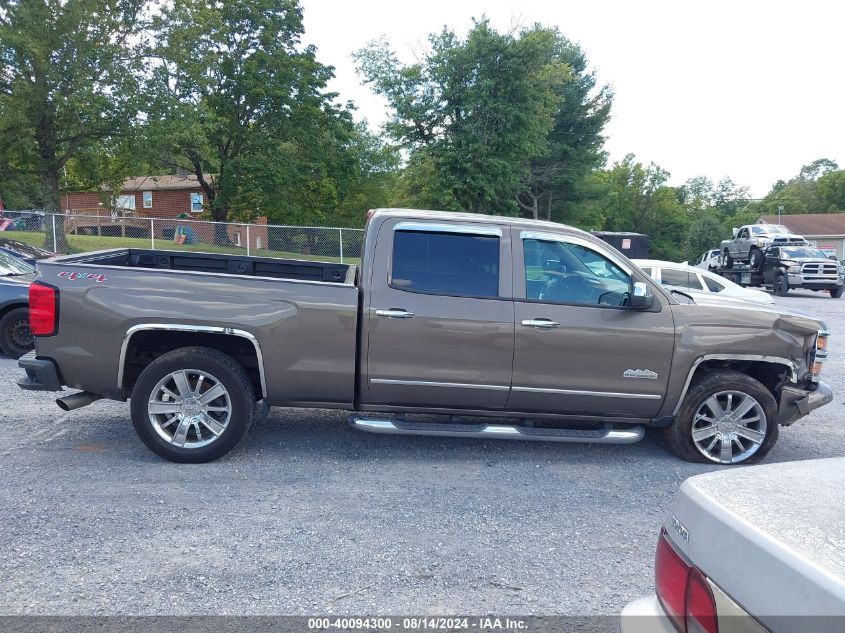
(697, 281)
(751, 550)
(710, 260)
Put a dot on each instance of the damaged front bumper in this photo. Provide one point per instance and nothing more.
(796, 402)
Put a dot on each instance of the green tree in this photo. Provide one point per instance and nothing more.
(560, 186)
(67, 86)
(705, 232)
(243, 105)
(639, 200)
(472, 112)
(831, 187)
(811, 191)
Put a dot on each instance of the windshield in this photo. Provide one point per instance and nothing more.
(802, 252)
(771, 229)
(13, 266)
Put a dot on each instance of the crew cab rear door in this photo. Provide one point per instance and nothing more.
(579, 350)
(439, 316)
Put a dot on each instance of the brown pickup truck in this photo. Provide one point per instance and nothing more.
(454, 324)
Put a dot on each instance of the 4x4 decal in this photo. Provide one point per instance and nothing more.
(73, 276)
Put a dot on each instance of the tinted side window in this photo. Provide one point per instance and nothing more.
(446, 263)
(681, 279)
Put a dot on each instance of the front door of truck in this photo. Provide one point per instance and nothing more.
(439, 316)
(578, 349)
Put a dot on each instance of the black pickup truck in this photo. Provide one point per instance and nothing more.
(783, 268)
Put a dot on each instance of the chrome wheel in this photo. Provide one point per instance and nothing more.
(729, 427)
(189, 408)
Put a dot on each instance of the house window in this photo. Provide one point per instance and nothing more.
(196, 202)
(148, 199)
(125, 203)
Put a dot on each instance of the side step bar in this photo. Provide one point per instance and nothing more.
(499, 431)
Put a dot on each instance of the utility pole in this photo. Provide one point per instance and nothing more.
(780, 210)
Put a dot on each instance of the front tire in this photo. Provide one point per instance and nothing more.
(755, 258)
(835, 293)
(727, 417)
(15, 336)
(192, 405)
(781, 286)
(727, 259)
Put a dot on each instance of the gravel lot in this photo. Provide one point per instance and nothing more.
(310, 517)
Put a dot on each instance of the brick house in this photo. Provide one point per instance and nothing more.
(145, 196)
(163, 198)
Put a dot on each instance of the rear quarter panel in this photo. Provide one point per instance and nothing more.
(306, 330)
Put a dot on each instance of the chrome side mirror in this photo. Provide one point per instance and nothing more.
(641, 298)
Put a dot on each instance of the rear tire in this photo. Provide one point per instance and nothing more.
(781, 285)
(756, 437)
(835, 293)
(15, 336)
(192, 405)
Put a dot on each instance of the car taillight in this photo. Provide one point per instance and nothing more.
(700, 608)
(671, 573)
(683, 591)
(43, 309)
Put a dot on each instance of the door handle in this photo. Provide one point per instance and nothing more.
(394, 313)
(541, 323)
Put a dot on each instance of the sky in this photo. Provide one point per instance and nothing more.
(746, 89)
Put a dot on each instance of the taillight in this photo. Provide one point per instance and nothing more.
(43, 309)
(683, 591)
(700, 608)
(670, 572)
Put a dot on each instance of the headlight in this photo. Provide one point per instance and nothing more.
(795, 269)
(819, 355)
(761, 241)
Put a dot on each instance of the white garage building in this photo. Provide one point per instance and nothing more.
(823, 230)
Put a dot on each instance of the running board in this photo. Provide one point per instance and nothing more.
(499, 431)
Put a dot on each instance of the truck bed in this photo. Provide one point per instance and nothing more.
(301, 315)
(219, 263)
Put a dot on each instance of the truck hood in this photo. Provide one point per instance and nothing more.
(810, 260)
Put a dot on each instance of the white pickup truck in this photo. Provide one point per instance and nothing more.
(750, 241)
(753, 550)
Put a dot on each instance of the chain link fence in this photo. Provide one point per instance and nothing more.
(76, 233)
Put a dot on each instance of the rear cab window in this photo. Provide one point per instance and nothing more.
(446, 263)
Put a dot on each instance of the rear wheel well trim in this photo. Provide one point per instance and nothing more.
(773, 360)
(180, 327)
